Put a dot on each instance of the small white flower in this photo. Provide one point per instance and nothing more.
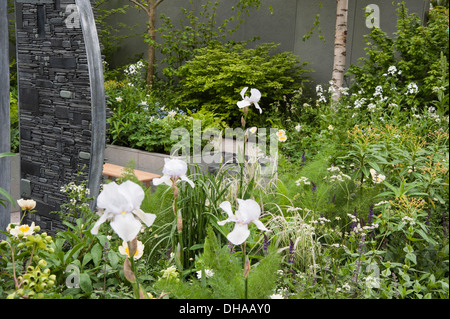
(330, 127)
(119, 99)
(253, 129)
(172, 113)
(26, 204)
(298, 127)
(302, 180)
(281, 135)
(371, 107)
(319, 88)
(377, 177)
(333, 168)
(344, 90)
(254, 98)
(372, 282)
(24, 230)
(381, 203)
(139, 250)
(392, 70)
(412, 88)
(208, 273)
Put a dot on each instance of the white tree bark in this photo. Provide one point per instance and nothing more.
(340, 48)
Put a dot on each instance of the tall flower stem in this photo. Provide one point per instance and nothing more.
(242, 164)
(246, 269)
(136, 283)
(130, 269)
(178, 247)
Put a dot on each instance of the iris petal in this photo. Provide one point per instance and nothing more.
(186, 179)
(239, 234)
(163, 179)
(243, 92)
(133, 192)
(147, 218)
(260, 225)
(111, 199)
(226, 206)
(126, 226)
(100, 221)
(255, 95)
(243, 103)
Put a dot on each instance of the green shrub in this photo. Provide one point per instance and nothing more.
(415, 51)
(214, 78)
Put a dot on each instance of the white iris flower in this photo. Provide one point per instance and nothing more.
(254, 98)
(121, 204)
(173, 170)
(248, 212)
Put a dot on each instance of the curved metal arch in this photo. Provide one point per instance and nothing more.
(4, 112)
(98, 102)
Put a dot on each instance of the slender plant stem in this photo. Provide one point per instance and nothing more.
(241, 191)
(13, 266)
(136, 284)
(244, 255)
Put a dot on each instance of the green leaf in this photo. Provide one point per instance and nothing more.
(85, 282)
(425, 236)
(7, 154)
(196, 246)
(113, 259)
(96, 253)
(5, 194)
(73, 251)
(87, 258)
(412, 258)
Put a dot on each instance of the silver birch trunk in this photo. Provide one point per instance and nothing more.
(340, 48)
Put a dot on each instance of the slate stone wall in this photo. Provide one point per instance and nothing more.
(54, 103)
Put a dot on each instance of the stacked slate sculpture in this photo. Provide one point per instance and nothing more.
(62, 109)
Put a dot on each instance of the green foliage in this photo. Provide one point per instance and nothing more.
(226, 281)
(415, 50)
(14, 107)
(195, 30)
(213, 79)
(25, 271)
(358, 207)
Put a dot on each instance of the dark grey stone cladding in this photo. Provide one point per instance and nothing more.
(55, 106)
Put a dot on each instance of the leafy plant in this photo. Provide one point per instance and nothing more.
(415, 50)
(213, 79)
